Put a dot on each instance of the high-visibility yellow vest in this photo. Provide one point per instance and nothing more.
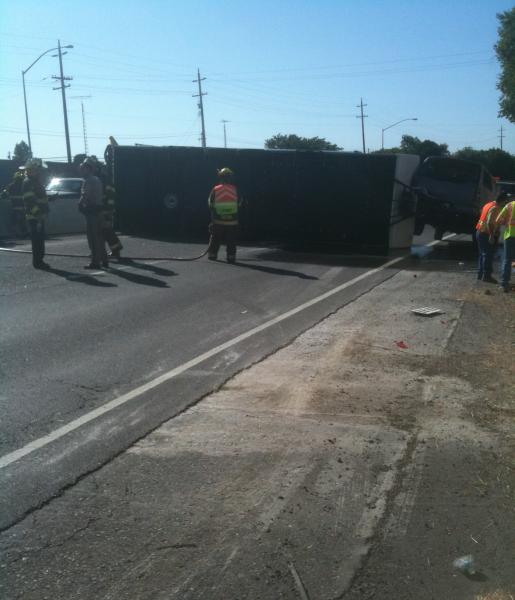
(487, 220)
(225, 203)
(507, 217)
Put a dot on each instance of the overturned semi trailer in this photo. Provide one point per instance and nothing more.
(301, 197)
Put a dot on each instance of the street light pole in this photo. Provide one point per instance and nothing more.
(23, 73)
(26, 112)
(390, 126)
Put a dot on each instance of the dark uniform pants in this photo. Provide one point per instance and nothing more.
(96, 239)
(222, 234)
(37, 237)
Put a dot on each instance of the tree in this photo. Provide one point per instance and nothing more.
(21, 152)
(295, 142)
(505, 50)
(498, 162)
(425, 148)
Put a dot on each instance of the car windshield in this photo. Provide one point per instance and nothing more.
(65, 185)
(456, 171)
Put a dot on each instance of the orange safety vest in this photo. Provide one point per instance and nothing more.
(486, 223)
(225, 203)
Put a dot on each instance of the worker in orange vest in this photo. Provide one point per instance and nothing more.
(487, 234)
(506, 218)
(224, 202)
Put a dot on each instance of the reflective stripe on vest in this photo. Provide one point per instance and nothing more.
(510, 221)
(482, 224)
(225, 202)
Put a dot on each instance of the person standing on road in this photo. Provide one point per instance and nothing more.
(487, 234)
(506, 218)
(224, 202)
(107, 216)
(35, 202)
(90, 205)
(13, 193)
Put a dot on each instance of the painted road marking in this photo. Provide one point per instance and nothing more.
(41, 442)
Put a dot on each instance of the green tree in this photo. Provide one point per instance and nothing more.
(498, 162)
(505, 50)
(295, 142)
(21, 152)
(424, 148)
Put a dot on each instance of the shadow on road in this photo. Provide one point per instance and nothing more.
(87, 279)
(137, 278)
(145, 267)
(274, 270)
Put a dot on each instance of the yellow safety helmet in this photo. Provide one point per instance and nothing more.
(225, 172)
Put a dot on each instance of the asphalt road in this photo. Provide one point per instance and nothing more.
(73, 341)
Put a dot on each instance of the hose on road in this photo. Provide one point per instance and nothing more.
(123, 258)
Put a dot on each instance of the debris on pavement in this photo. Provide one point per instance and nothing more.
(427, 311)
(465, 564)
(402, 345)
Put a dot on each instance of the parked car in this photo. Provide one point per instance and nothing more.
(450, 195)
(63, 196)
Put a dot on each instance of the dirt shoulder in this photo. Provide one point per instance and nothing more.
(357, 462)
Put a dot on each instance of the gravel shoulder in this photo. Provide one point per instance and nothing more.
(357, 462)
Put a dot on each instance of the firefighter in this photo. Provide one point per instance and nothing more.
(506, 218)
(36, 209)
(223, 202)
(487, 235)
(107, 216)
(90, 205)
(13, 192)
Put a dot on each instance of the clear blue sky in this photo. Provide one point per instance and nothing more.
(283, 66)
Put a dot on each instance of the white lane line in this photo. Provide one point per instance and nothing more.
(16, 455)
(41, 442)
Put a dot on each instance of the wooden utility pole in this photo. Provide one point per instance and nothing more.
(362, 117)
(201, 105)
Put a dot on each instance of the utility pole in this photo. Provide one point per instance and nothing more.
(362, 117)
(63, 87)
(201, 105)
(225, 132)
(81, 98)
(501, 135)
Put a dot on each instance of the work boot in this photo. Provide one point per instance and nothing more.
(105, 264)
(42, 265)
(115, 254)
(212, 257)
(489, 279)
(231, 259)
(92, 267)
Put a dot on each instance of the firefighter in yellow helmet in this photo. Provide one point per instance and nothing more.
(224, 201)
(14, 195)
(36, 209)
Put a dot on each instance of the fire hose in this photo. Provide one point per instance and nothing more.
(122, 259)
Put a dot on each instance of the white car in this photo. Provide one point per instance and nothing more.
(63, 197)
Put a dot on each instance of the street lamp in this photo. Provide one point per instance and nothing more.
(25, 93)
(390, 126)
